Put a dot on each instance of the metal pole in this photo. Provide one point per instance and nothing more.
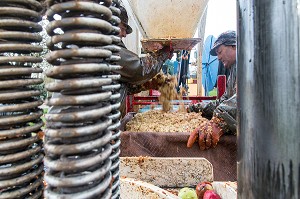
(268, 99)
(201, 32)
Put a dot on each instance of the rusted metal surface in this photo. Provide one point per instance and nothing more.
(82, 130)
(268, 99)
(21, 156)
(176, 44)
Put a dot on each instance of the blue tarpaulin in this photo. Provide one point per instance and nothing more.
(209, 65)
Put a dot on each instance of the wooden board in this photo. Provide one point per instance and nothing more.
(167, 172)
(136, 189)
(162, 178)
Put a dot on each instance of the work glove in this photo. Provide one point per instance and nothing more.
(207, 134)
(206, 108)
(158, 48)
(166, 52)
(198, 107)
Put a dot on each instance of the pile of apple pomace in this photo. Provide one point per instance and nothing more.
(166, 120)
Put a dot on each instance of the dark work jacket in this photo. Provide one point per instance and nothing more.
(136, 70)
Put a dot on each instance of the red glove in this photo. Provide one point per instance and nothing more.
(207, 134)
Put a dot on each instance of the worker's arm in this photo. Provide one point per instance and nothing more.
(223, 118)
(226, 111)
(207, 109)
(136, 71)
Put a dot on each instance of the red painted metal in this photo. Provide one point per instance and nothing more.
(152, 99)
(221, 85)
(154, 93)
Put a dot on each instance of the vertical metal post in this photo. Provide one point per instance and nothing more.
(268, 99)
(201, 32)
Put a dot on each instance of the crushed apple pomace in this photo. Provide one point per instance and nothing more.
(160, 121)
(167, 92)
(166, 120)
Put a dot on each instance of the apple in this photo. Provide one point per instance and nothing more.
(202, 187)
(187, 193)
(211, 194)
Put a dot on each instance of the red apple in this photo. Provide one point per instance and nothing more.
(211, 194)
(202, 187)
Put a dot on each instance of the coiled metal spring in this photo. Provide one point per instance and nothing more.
(115, 115)
(21, 166)
(84, 110)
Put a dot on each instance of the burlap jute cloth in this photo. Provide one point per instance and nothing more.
(223, 157)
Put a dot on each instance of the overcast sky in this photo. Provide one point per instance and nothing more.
(221, 16)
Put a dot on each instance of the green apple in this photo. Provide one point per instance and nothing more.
(187, 193)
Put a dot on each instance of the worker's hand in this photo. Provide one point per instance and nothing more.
(158, 49)
(198, 107)
(166, 52)
(206, 108)
(207, 134)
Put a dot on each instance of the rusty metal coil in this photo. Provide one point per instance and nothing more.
(82, 23)
(59, 72)
(21, 167)
(114, 157)
(29, 4)
(106, 3)
(19, 71)
(62, 133)
(20, 13)
(21, 150)
(79, 123)
(20, 25)
(85, 176)
(34, 187)
(82, 7)
(80, 114)
(21, 59)
(78, 83)
(86, 193)
(17, 132)
(115, 114)
(115, 142)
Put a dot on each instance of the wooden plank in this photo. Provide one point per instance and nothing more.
(167, 172)
(136, 189)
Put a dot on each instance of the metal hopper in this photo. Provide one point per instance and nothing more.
(167, 22)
